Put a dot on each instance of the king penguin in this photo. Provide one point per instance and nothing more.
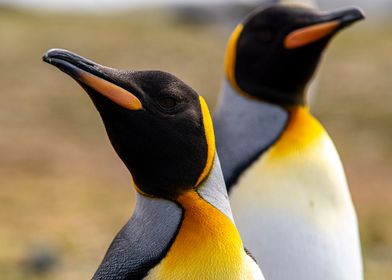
(286, 182)
(182, 226)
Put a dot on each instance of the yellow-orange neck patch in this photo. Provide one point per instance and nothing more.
(207, 246)
(210, 138)
(302, 130)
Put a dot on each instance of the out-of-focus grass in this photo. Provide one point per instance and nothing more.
(355, 104)
(63, 190)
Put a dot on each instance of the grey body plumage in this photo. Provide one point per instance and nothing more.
(244, 129)
(143, 241)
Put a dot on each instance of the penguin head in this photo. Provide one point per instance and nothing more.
(159, 126)
(274, 53)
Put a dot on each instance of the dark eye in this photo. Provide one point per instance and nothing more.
(167, 102)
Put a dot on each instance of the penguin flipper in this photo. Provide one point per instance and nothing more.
(143, 242)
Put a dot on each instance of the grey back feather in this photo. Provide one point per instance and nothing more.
(244, 129)
(143, 241)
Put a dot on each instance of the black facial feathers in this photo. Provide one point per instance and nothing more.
(162, 141)
(266, 68)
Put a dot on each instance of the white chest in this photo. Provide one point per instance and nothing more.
(296, 216)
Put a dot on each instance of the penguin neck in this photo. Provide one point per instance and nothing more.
(271, 95)
(213, 189)
(302, 130)
(244, 129)
(207, 235)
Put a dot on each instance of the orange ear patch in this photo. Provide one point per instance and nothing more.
(310, 34)
(115, 93)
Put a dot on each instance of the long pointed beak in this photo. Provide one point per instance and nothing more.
(91, 74)
(329, 25)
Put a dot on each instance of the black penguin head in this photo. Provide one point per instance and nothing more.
(158, 125)
(275, 52)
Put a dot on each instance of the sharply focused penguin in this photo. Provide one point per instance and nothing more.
(287, 186)
(182, 227)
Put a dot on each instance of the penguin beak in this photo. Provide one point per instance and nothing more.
(329, 25)
(92, 75)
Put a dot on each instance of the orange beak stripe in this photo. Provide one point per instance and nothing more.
(115, 93)
(310, 34)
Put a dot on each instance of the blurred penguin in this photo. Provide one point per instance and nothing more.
(287, 185)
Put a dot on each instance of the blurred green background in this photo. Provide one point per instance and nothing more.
(64, 194)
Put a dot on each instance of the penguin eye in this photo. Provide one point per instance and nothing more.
(167, 102)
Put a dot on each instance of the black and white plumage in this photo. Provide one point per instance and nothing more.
(287, 186)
